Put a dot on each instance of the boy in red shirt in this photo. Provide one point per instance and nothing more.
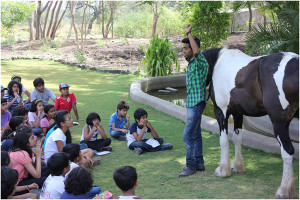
(66, 101)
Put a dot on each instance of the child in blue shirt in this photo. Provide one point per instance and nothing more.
(118, 120)
(136, 139)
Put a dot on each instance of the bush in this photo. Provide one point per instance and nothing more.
(101, 43)
(80, 56)
(158, 57)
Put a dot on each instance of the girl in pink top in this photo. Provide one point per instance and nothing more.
(22, 158)
(36, 113)
(48, 119)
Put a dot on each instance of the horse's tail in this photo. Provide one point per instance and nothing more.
(209, 89)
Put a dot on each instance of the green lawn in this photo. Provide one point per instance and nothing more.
(157, 172)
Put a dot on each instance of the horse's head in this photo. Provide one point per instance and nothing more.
(211, 56)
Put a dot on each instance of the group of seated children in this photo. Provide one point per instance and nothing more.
(20, 128)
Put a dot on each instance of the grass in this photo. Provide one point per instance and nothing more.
(157, 172)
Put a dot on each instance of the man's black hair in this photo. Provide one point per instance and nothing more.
(57, 163)
(38, 81)
(5, 160)
(139, 113)
(125, 177)
(9, 178)
(3, 100)
(123, 105)
(79, 181)
(91, 117)
(72, 150)
(187, 41)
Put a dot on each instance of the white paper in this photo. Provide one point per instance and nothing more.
(103, 153)
(152, 142)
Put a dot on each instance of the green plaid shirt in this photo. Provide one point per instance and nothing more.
(196, 80)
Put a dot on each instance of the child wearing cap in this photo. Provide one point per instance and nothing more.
(40, 92)
(2, 91)
(66, 101)
(24, 90)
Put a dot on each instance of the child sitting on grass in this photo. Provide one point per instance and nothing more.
(14, 95)
(48, 119)
(126, 179)
(137, 141)
(24, 90)
(118, 120)
(5, 115)
(66, 101)
(79, 185)
(91, 131)
(41, 92)
(58, 164)
(35, 115)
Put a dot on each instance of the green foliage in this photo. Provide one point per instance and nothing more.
(10, 40)
(123, 41)
(158, 57)
(209, 25)
(13, 12)
(101, 43)
(281, 35)
(80, 56)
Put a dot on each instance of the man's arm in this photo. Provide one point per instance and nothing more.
(193, 43)
(153, 132)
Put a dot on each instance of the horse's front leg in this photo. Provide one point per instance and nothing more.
(224, 168)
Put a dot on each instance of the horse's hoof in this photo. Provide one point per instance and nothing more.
(222, 172)
(237, 169)
(285, 194)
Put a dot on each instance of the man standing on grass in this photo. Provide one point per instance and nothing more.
(195, 84)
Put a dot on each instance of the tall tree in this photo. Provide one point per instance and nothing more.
(72, 5)
(51, 19)
(209, 25)
(96, 12)
(39, 13)
(106, 27)
(31, 26)
(57, 22)
(46, 20)
(237, 5)
(72, 9)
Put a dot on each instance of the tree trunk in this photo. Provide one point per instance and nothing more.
(72, 5)
(51, 20)
(55, 21)
(102, 5)
(31, 26)
(155, 17)
(83, 30)
(95, 16)
(59, 21)
(250, 18)
(38, 19)
(46, 18)
(112, 6)
(72, 11)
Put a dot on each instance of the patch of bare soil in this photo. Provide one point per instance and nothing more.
(115, 55)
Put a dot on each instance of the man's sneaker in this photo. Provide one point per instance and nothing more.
(122, 138)
(138, 150)
(198, 168)
(166, 146)
(187, 172)
(106, 148)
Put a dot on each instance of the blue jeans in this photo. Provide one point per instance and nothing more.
(117, 134)
(192, 136)
(146, 147)
(37, 131)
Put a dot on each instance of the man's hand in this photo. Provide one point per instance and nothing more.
(188, 28)
(127, 117)
(33, 186)
(124, 130)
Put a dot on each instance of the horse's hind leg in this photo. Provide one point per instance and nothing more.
(224, 169)
(286, 189)
(238, 164)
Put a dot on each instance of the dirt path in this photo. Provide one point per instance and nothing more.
(115, 55)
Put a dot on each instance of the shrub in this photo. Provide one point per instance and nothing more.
(158, 57)
(80, 56)
(101, 43)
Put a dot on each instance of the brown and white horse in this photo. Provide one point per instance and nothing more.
(254, 86)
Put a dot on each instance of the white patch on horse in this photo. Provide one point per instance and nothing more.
(278, 77)
(229, 62)
(286, 189)
(224, 169)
